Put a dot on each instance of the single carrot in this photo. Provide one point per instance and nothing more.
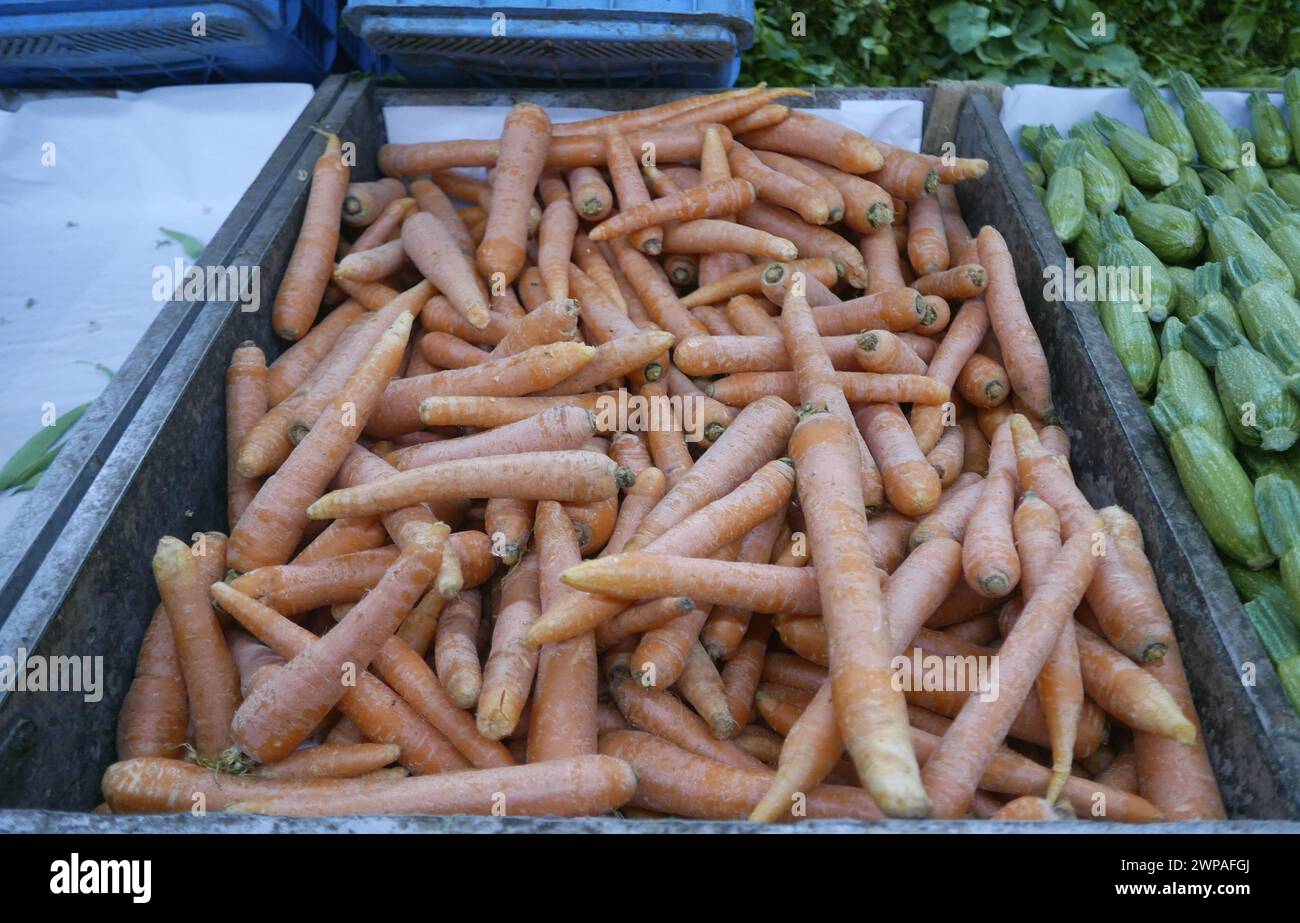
(1125, 598)
(728, 109)
(811, 240)
(989, 559)
(555, 429)
(298, 298)
(780, 188)
(1124, 690)
(573, 787)
(591, 196)
(522, 153)
(386, 225)
(374, 264)
(779, 279)
(431, 199)
(897, 310)
(211, 680)
(949, 455)
(713, 319)
(812, 747)
(650, 115)
(332, 761)
(956, 284)
(701, 685)
(906, 174)
(956, 348)
(872, 716)
(807, 173)
(762, 117)
(866, 206)
(880, 255)
(511, 664)
(911, 484)
(364, 202)
(446, 351)
(568, 476)
(555, 246)
(640, 619)
(721, 354)
(953, 512)
(744, 388)
(455, 649)
(434, 252)
(275, 520)
(706, 236)
(509, 522)
(551, 322)
(655, 292)
(563, 720)
(418, 628)
(291, 369)
(953, 772)
(628, 355)
(1022, 352)
(489, 412)
(805, 135)
(1029, 808)
(927, 247)
(630, 190)
(674, 781)
(885, 352)
(723, 198)
(726, 628)
(344, 536)
(246, 403)
(749, 280)
(534, 369)
(983, 382)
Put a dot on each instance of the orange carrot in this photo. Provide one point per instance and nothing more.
(275, 520)
(956, 284)
(1125, 597)
(880, 255)
(744, 388)
(1022, 352)
(949, 455)
(246, 403)
(640, 619)
(866, 206)
(591, 197)
(364, 202)
(434, 252)
(650, 115)
(525, 140)
(885, 352)
(510, 524)
(906, 174)
(385, 225)
(871, 713)
(555, 429)
(927, 248)
(342, 537)
(953, 512)
(911, 485)
(701, 685)
(749, 280)
(725, 630)
(445, 351)
(811, 240)
(563, 720)
(722, 354)
(898, 310)
(711, 317)
(779, 188)
(989, 559)
(555, 246)
(953, 771)
(808, 173)
(730, 108)
(1124, 690)
(291, 369)
(762, 117)
(655, 292)
(707, 201)
(299, 295)
(488, 412)
(1027, 807)
(632, 354)
(983, 382)
(374, 264)
(807, 135)
(211, 680)
(710, 236)
(511, 665)
(630, 189)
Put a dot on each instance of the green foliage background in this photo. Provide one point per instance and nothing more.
(907, 43)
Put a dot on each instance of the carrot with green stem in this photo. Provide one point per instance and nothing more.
(274, 521)
(246, 403)
(989, 560)
(589, 193)
(953, 772)
(522, 153)
(535, 369)
(295, 364)
(308, 273)
(871, 714)
(563, 720)
(455, 649)
(1022, 352)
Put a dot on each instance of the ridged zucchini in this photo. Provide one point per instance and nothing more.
(1207, 288)
(1126, 324)
(1215, 143)
(1184, 281)
(1266, 310)
(1249, 177)
(1286, 185)
(1215, 483)
(1089, 135)
(1276, 224)
(1280, 638)
(1163, 122)
(1268, 129)
(1148, 163)
(1172, 234)
(1131, 254)
(1182, 376)
(1219, 184)
(1230, 236)
(1261, 584)
(1044, 142)
(1278, 503)
(1088, 245)
(1034, 170)
(1285, 465)
(1291, 96)
(1065, 199)
(1251, 390)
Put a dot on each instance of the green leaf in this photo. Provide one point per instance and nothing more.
(28, 458)
(191, 245)
(37, 470)
(99, 365)
(967, 26)
(1120, 61)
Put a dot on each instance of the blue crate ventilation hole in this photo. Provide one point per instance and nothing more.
(479, 43)
(140, 43)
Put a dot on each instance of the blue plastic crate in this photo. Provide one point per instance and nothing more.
(142, 43)
(566, 43)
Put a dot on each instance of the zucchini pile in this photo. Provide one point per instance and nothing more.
(1191, 233)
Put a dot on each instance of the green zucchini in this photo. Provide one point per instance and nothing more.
(1181, 375)
(1163, 122)
(1089, 243)
(1215, 142)
(1182, 194)
(1207, 282)
(1271, 316)
(1041, 192)
(1089, 135)
(1288, 675)
(1261, 584)
(1145, 271)
(1214, 482)
(1044, 142)
(1276, 224)
(1250, 176)
(1286, 185)
(1268, 129)
(1172, 234)
(1228, 236)
(1280, 637)
(1125, 322)
(1184, 280)
(1258, 463)
(1291, 96)
(1278, 503)
(1219, 184)
(1065, 200)
(1254, 397)
(1147, 162)
(1034, 170)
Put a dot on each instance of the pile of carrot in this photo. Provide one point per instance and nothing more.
(455, 583)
